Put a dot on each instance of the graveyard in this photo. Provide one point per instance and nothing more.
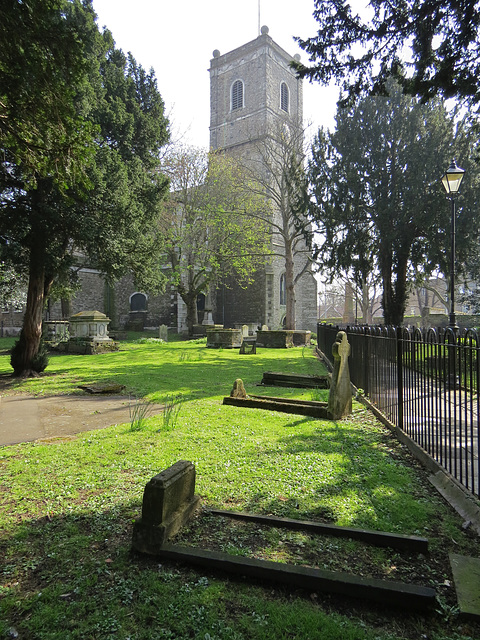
(70, 505)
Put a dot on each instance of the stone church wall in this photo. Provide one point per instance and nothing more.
(158, 309)
(95, 295)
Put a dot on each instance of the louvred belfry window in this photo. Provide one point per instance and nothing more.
(284, 97)
(237, 95)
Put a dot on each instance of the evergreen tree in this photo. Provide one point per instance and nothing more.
(378, 198)
(432, 48)
(100, 197)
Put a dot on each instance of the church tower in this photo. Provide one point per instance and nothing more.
(251, 88)
(253, 93)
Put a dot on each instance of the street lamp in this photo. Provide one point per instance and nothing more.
(451, 180)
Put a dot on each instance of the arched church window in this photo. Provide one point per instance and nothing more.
(237, 95)
(284, 97)
(138, 302)
(283, 289)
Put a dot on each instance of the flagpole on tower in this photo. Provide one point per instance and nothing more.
(258, 17)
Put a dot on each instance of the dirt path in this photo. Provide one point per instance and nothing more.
(25, 418)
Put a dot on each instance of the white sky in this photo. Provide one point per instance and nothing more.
(177, 38)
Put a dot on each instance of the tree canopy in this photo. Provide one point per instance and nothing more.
(470, 292)
(431, 47)
(378, 198)
(46, 53)
(98, 195)
(212, 224)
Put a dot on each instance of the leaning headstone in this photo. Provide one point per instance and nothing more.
(340, 397)
(163, 332)
(169, 501)
(249, 346)
(238, 390)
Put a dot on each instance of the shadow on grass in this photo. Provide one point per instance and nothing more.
(75, 576)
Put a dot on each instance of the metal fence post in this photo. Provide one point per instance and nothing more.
(398, 333)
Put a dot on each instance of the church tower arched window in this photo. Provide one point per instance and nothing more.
(237, 95)
(284, 97)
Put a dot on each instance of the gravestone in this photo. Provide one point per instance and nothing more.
(208, 318)
(340, 397)
(248, 346)
(245, 330)
(55, 331)
(169, 501)
(163, 332)
(466, 574)
(283, 338)
(238, 390)
(224, 338)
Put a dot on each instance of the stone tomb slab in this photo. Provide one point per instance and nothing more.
(169, 501)
(413, 544)
(466, 575)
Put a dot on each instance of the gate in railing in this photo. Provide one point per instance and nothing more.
(426, 383)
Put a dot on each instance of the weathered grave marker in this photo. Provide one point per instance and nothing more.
(238, 390)
(249, 346)
(294, 380)
(163, 332)
(340, 397)
(466, 575)
(169, 501)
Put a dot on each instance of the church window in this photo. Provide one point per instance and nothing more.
(284, 97)
(138, 302)
(237, 95)
(283, 289)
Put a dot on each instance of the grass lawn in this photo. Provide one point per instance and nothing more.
(67, 509)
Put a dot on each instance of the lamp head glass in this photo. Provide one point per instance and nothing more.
(452, 178)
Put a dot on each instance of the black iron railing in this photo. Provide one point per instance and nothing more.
(424, 382)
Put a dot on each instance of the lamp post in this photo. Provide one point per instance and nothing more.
(451, 180)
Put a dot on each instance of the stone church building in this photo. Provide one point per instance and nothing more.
(252, 91)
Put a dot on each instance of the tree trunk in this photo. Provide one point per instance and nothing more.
(67, 308)
(190, 301)
(394, 298)
(32, 321)
(366, 310)
(289, 289)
